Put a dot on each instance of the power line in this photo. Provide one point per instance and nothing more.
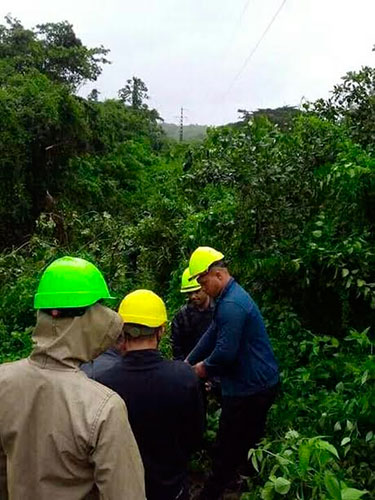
(236, 27)
(239, 21)
(243, 11)
(235, 30)
(254, 49)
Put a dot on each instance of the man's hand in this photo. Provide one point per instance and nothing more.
(208, 386)
(200, 370)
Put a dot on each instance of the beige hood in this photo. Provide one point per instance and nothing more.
(68, 342)
(63, 435)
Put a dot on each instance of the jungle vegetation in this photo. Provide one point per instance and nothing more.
(288, 197)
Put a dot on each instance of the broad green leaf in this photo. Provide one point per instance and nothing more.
(337, 426)
(282, 485)
(369, 436)
(345, 441)
(324, 445)
(317, 234)
(304, 453)
(345, 272)
(333, 486)
(349, 425)
(268, 491)
(352, 494)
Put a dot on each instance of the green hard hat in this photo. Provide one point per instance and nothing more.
(70, 282)
(188, 285)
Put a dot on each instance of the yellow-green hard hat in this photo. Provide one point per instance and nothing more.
(201, 259)
(186, 285)
(143, 307)
(70, 282)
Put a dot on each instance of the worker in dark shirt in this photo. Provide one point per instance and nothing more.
(162, 396)
(192, 320)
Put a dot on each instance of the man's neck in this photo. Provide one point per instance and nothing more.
(141, 345)
(226, 280)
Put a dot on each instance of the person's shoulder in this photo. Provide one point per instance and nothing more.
(107, 358)
(238, 295)
(183, 310)
(102, 400)
(12, 369)
(181, 377)
(180, 368)
(94, 388)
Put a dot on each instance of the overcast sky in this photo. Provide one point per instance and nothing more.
(192, 53)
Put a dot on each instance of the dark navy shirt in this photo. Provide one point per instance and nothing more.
(236, 346)
(165, 409)
(188, 326)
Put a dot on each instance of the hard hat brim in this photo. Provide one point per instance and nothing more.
(190, 289)
(66, 300)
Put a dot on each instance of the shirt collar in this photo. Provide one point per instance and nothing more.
(143, 357)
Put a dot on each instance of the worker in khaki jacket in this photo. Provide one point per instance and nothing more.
(62, 435)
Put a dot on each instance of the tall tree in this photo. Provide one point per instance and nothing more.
(53, 49)
(134, 93)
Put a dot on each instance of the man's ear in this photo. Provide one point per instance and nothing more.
(219, 274)
(160, 332)
(121, 344)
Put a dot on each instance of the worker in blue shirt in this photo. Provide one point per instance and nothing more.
(236, 348)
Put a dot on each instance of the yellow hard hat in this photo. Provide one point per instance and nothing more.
(143, 307)
(201, 259)
(186, 285)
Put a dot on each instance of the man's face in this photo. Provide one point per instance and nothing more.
(198, 298)
(211, 282)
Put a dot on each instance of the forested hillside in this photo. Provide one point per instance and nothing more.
(190, 132)
(292, 208)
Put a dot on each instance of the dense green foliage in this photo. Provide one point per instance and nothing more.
(292, 208)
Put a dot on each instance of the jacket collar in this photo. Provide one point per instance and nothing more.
(144, 358)
(225, 290)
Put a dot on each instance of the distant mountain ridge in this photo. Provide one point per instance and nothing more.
(192, 132)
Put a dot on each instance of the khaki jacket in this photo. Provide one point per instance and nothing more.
(62, 435)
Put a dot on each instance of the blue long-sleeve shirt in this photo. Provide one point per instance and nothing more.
(236, 346)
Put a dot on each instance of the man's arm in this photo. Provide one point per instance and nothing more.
(119, 473)
(3, 474)
(204, 347)
(177, 333)
(230, 322)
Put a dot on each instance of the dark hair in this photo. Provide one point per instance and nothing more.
(219, 263)
(135, 331)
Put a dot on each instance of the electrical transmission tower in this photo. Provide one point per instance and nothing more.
(182, 125)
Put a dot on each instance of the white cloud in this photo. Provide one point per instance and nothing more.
(188, 52)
